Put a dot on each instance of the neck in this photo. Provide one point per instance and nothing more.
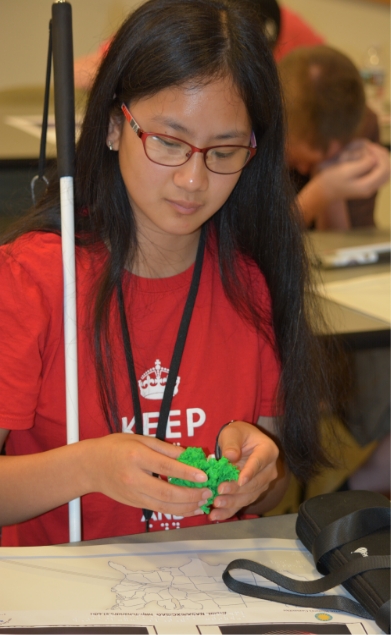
(164, 256)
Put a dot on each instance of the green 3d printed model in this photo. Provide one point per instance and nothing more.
(217, 471)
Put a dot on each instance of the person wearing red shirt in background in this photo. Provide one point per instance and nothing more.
(294, 32)
(286, 31)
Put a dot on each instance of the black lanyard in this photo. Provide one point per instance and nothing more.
(176, 356)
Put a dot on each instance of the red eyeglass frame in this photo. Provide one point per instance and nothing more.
(143, 135)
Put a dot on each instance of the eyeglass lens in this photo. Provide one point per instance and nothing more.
(172, 152)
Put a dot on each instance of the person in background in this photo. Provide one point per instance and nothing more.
(86, 66)
(285, 30)
(332, 146)
(294, 32)
(338, 166)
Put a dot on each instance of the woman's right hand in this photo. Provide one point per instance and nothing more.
(121, 466)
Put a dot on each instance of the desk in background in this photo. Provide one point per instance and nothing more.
(354, 328)
(362, 364)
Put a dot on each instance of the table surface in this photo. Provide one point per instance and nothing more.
(355, 328)
(267, 527)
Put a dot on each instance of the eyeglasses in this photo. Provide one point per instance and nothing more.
(172, 152)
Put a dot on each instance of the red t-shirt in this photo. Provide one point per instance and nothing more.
(228, 371)
(294, 32)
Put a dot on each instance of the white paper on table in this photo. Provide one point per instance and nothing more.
(367, 294)
(165, 587)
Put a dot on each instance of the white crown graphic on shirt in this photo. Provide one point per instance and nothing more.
(153, 382)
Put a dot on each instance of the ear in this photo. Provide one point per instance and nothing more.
(114, 133)
(334, 149)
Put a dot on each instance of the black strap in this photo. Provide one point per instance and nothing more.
(42, 151)
(218, 454)
(382, 617)
(138, 417)
(176, 356)
(320, 585)
(332, 602)
(346, 529)
(351, 527)
(180, 341)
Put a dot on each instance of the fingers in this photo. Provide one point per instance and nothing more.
(354, 150)
(366, 183)
(256, 455)
(172, 499)
(260, 460)
(232, 497)
(160, 458)
(357, 167)
(382, 168)
(245, 445)
(370, 183)
(124, 466)
(348, 180)
(230, 441)
(360, 171)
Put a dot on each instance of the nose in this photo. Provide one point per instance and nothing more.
(193, 175)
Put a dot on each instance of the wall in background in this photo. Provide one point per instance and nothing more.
(351, 25)
(24, 34)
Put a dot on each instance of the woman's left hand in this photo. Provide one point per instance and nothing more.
(255, 454)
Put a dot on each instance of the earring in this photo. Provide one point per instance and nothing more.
(110, 145)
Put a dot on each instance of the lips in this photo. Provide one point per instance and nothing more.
(184, 207)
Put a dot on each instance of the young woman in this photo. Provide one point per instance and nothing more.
(182, 198)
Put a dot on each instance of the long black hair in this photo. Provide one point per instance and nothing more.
(168, 43)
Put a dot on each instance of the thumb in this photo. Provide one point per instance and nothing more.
(230, 441)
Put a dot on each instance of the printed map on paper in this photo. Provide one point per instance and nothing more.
(166, 587)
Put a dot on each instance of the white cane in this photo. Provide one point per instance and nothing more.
(64, 103)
